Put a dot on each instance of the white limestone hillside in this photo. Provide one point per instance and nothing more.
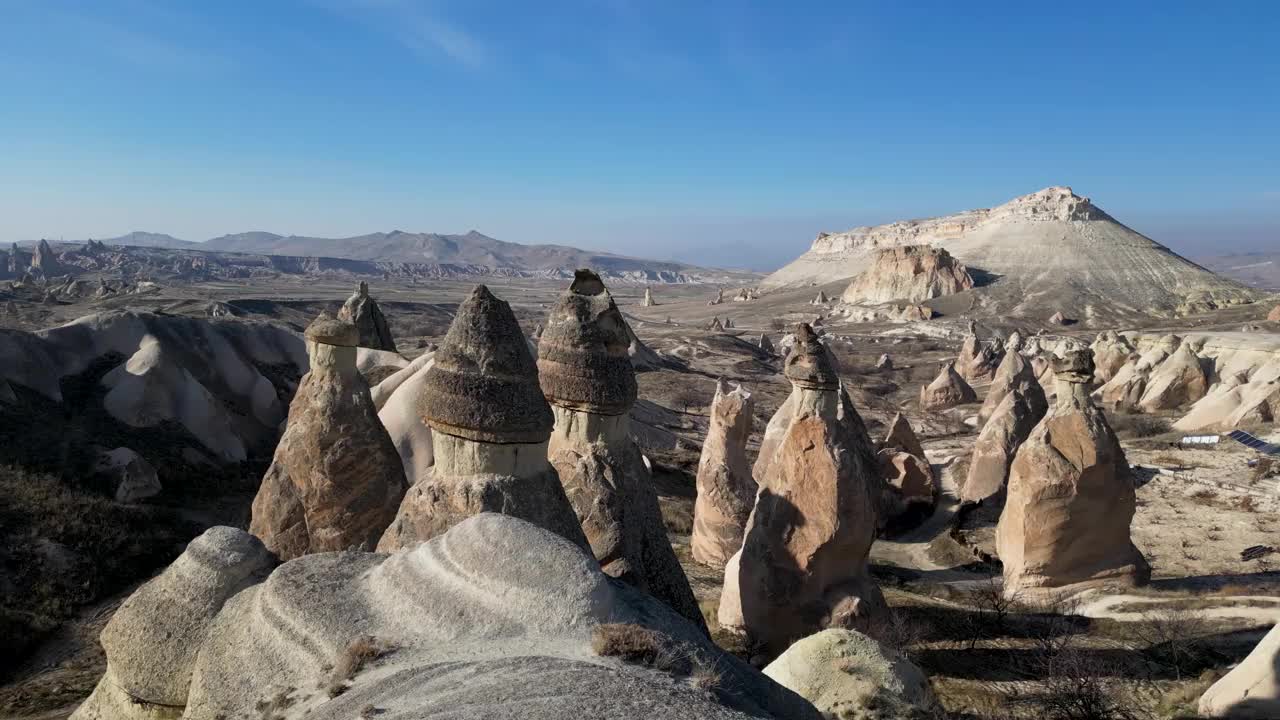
(1050, 251)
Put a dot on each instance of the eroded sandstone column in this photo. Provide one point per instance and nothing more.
(726, 490)
(1070, 497)
(489, 431)
(586, 374)
(362, 311)
(336, 479)
(803, 563)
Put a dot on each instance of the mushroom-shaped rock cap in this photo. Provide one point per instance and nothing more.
(583, 362)
(484, 384)
(810, 364)
(1076, 366)
(329, 330)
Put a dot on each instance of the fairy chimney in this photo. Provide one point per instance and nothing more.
(648, 298)
(362, 311)
(726, 490)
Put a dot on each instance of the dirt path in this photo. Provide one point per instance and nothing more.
(1234, 607)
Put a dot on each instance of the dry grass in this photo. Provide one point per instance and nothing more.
(1137, 426)
(1205, 496)
(640, 645)
(273, 708)
(358, 653)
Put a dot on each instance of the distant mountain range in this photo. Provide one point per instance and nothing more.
(1259, 269)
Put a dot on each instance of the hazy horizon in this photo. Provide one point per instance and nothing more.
(724, 134)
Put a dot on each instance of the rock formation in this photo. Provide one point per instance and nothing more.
(913, 273)
(1014, 374)
(719, 298)
(587, 377)
(489, 430)
(726, 490)
(136, 479)
(802, 566)
(1111, 351)
(1274, 315)
(820, 299)
(846, 674)
(363, 312)
(1252, 688)
(336, 480)
(44, 260)
(648, 298)
(902, 437)
(715, 325)
(947, 390)
(496, 618)
(976, 362)
(1181, 379)
(1070, 497)
(885, 362)
(1058, 319)
(396, 399)
(1007, 427)
(1126, 388)
(765, 344)
(909, 486)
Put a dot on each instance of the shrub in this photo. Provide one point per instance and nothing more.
(352, 659)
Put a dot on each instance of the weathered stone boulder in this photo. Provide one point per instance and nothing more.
(1181, 379)
(489, 430)
(1003, 433)
(362, 311)
(1014, 374)
(947, 390)
(496, 618)
(136, 478)
(1252, 689)
(902, 437)
(153, 640)
(336, 480)
(909, 485)
(1066, 519)
(726, 490)
(908, 272)
(586, 374)
(802, 566)
(846, 674)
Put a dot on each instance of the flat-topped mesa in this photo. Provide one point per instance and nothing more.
(1051, 203)
(726, 490)
(909, 272)
(802, 566)
(489, 430)
(1066, 520)
(336, 478)
(587, 376)
(362, 310)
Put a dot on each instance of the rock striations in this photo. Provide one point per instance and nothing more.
(336, 479)
(363, 312)
(913, 273)
(1070, 497)
(586, 375)
(803, 562)
(726, 490)
(489, 430)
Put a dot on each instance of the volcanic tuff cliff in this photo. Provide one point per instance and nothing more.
(1048, 251)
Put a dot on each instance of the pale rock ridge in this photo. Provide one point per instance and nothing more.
(336, 479)
(1252, 688)
(1126, 388)
(1181, 379)
(362, 311)
(585, 373)
(1008, 426)
(913, 273)
(396, 399)
(490, 425)
(726, 490)
(494, 618)
(802, 566)
(846, 674)
(947, 390)
(1070, 499)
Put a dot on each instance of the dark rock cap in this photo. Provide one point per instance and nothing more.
(583, 360)
(1074, 367)
(484, 384)
(329, 330)
(810, 364)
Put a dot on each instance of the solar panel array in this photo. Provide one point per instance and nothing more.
(1250, 441)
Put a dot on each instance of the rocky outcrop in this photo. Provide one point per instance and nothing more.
(363, 312)
(802, 566)
(1014, 374)
(947, 390)
(1111, 351)
(977, 362)
(495, 618)
(489, 430)
(44, 260)
(135, 478)
(1181, 379)
(913, 273)
(726, 490)
(1007, 427)
(846, 674)
(648, 298)
(1070, 497)
(1274, 315)
(1252, 689)
(909, 486)
(885, 362)
(336, 479)
(718, 299)
(901, 437)
(715, 325)
(586, 375)
(1126, 388)
(152, 642)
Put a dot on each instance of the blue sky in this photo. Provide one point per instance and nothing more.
(726, 133)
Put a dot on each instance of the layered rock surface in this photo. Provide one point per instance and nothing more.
(1071, 499)
(586, 374)
(1252, 689)
(362, 311)
(726, 490)
(913, 273)
(495, 618)
(1005, 430)
(336, 480)
(489, 430)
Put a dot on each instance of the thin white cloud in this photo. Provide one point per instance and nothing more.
(418, 26)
